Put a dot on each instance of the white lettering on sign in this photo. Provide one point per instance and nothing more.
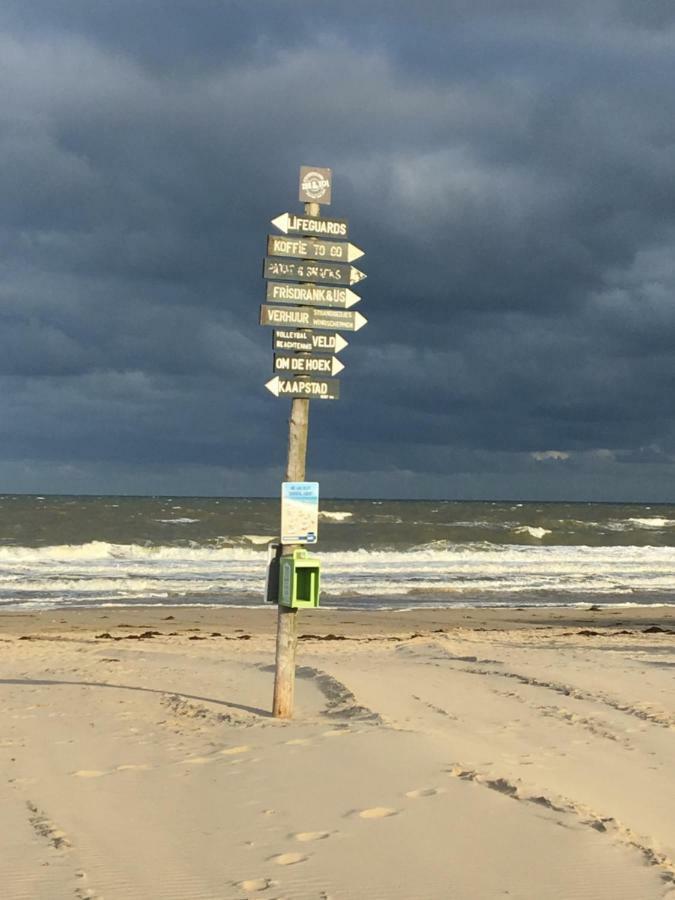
(313, 388)
(288, 316)
(299, 292)
(315, 185)
(317, 226)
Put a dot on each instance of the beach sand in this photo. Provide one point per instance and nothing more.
(434, 755)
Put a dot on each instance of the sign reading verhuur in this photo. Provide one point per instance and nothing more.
(323, 319)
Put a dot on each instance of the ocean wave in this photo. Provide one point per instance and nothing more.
(102, 550)
(533, 531)
(180, 521)
(337, 516)
(652, 522)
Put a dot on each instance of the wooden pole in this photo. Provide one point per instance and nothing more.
(287, 620)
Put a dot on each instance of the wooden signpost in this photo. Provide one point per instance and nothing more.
(319, 265)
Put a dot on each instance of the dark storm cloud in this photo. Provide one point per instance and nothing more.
(511, 177)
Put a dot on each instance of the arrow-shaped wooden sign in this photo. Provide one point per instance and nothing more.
(310, 388)
(307, 365)
(312, 248)
(307, 342)
(311, 294)
(309, 317)
(322, 272)
(292, 224)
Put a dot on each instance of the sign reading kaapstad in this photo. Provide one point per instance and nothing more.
(315, 184)
(306, 342)
(311, 294)
(312, 248)
(322, 272)
(309, 317)
(312, 388)
(289, 223)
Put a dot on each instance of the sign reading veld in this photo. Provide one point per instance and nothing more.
(307, 342)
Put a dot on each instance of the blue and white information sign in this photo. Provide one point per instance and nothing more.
(299, 512)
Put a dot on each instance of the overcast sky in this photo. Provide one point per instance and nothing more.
(510, 175)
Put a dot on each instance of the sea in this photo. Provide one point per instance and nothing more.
(86, 551)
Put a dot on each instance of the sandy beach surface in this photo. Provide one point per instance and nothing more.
(451, 754)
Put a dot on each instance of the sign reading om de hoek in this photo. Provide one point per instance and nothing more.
(315, 185)
(307, 365)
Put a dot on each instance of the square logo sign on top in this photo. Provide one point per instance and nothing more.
(299, 512)
(315, 185)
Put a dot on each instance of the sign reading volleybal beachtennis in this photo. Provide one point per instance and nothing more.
(299, 512)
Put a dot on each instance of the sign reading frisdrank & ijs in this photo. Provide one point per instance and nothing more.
(315, 184)
(312, 248)
(310, 317)
(311, 294)
(289, 223)
(323, 272)
(306, 342)
(309, 388)
(307, 365)
(299, 512)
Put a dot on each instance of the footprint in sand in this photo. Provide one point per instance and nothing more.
(198, 760)
(306, 836)
(254, 884)
(233, 751)
(288, 859)
(377, 812)
(423, 792)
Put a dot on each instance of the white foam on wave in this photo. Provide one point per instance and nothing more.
(337, 516)
(652, 522)
(179, 521)
(450, 573)
(533, 531)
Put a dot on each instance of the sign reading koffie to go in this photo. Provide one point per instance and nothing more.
(309, 274)
(299, 512)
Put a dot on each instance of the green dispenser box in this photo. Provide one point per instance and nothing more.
(299, 580)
